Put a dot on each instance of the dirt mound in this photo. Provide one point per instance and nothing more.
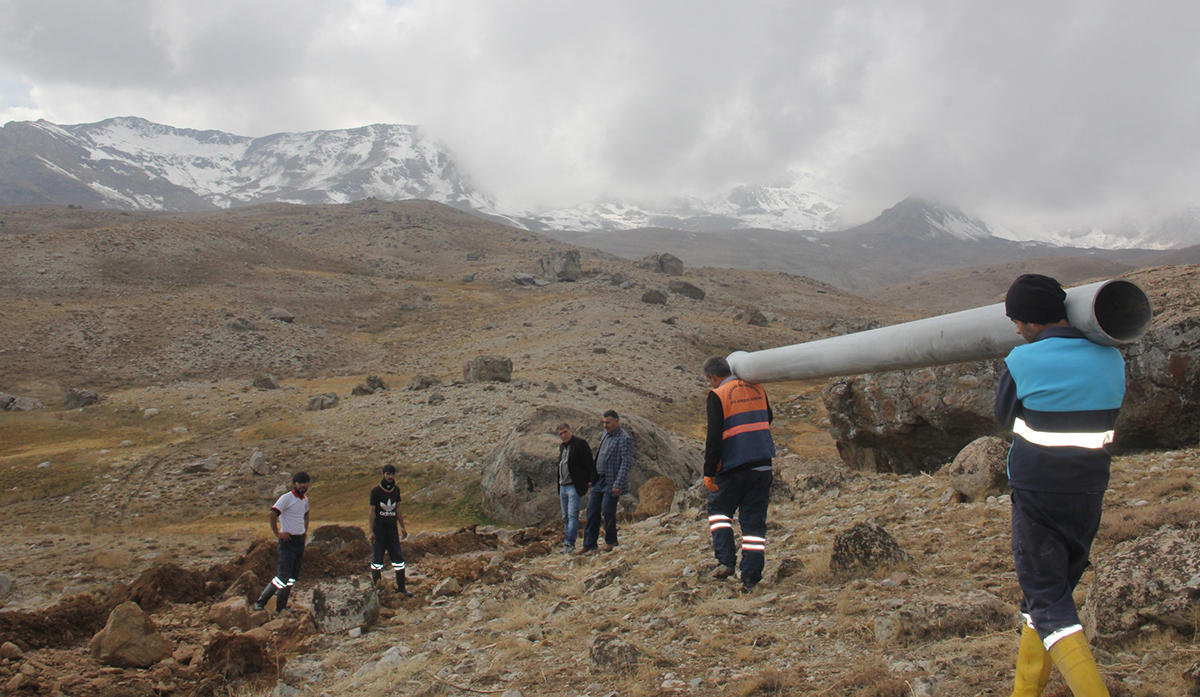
(458, 542)
(167, 583)
(68, 623)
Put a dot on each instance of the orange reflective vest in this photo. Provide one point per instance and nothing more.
(746, 432)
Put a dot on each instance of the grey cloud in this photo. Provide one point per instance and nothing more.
(1021, 109)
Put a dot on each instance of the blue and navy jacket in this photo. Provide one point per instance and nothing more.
(739, 428)
(1060, 396)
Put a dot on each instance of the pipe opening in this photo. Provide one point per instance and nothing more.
(1122, 311)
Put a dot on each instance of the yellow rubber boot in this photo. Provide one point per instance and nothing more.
(1074, 660)
(1033, 665)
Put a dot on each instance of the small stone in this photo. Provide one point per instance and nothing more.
(11, 651)
(149, 413)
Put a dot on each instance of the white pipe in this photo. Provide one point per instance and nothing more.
(1111, 312)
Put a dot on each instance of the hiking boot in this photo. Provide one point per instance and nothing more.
(606, 547)
(584, 550)
(748, 588)
(723, 572)
(259, 607)
(566, 550)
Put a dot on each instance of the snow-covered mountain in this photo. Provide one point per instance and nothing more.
(791, 202)
(135, 164)
(1173, 232)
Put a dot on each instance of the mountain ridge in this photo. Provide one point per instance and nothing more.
(131, 163)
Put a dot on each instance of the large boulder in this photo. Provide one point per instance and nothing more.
(77, 398)
(561, 266)
(655, 497)
(686, 289)
(345, 604)
(129, 640)
(864, 548)
(980, 470)
(918, 420)
(321, 402)
(668, 264)
(1153, 580)
(911, 421)
(520, 477)
(488, 369)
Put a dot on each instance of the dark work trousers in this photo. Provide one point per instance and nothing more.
(1051, 538)
(387, 539)
(601, 505)
(747, 492)
(291, 553)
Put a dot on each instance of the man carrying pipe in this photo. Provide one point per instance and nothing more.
(1060, 395)
(737, 470)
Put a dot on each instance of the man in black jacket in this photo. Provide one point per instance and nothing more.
(576, 472)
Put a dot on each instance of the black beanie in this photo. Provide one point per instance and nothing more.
(1035, 299)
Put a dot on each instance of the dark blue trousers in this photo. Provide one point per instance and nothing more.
(601, 505)
(1051, 539)
(746, 492)
(291, 553)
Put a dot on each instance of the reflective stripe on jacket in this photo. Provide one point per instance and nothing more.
(746, 432)
(1060, 395)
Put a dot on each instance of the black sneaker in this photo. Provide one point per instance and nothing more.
(723, 572)
(748, 588)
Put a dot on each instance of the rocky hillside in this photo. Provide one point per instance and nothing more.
(228, 349)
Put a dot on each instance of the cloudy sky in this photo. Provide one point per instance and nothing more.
(1060, 111)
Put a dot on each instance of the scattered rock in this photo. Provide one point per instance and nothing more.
(12, 402)
(241, 324)
(525, 279)
(6, 585)
(279, 314)
(863, 548)
(561, 266)
(77, 398)
(654, 297)
(662, 263)
(129, 640)
(234, 655)
(149, 413)
(469, 277)
(686, 289)
(788, 567)
(234, 612)
(376, 383)
(258, 464)
(435, 397)
(266, 382)
(608, 652)
(617, 279)
(321, 402)
(423, 382)
(488, 369)
(477, 255)
(344, 604)
(755, 318)
(447, 588)
(980, 470)
(604, 577)
(361, 390)
(11, 651)
(654, 497)
(1153, 580)
(939, 617)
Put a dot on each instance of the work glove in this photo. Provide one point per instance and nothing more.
(710, 484)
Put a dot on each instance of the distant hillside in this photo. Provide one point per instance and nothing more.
(962, 289)
(909, 240)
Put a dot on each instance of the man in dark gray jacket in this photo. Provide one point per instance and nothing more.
(576, 473)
